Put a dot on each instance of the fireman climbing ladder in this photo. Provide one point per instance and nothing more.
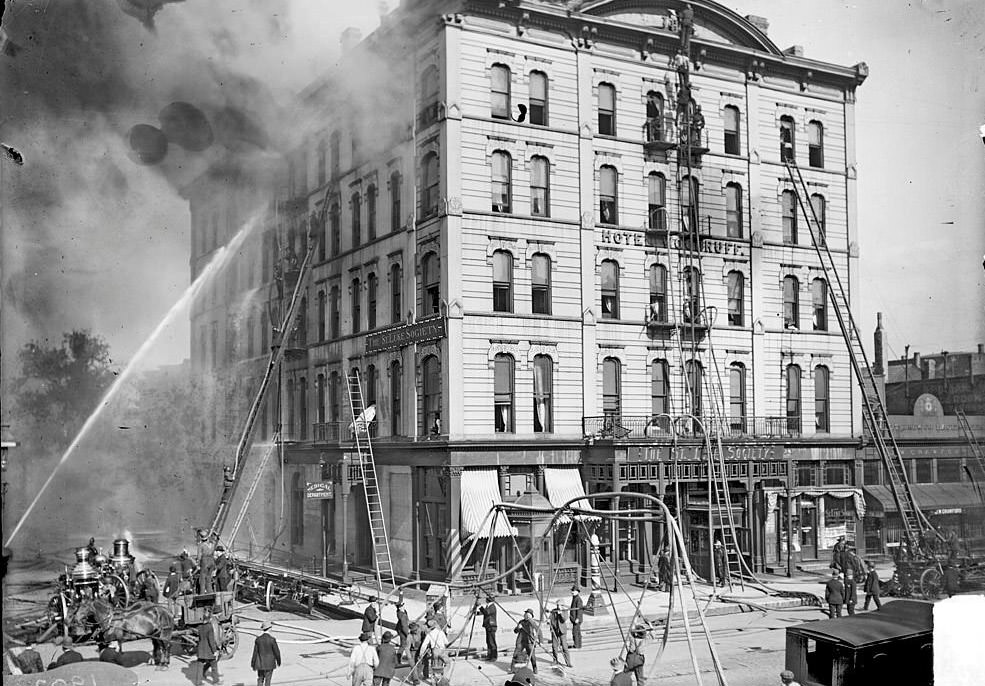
(915, 524)
(371, 486)
(276, 356)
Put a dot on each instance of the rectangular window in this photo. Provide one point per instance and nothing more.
(837, 474)
(334, 317)
(395, 300)
(658, 293)
(543, 394)
(610, 290)
(793, 399)
(371, 288)
(322, 162)
(538, 98)
(733, 211)
(871, 472)
(818, 219)
(815, 144)
(732, 146)
(659, 390)
(539, 187)
(356, 204)
(611, 387)
(607, 109)
(924, 471)
(791, 303)
(540, 284)
(737, 398)
(608, 211)
(395, 383)
(395, 219)
(503, 388)
(789, 206)
(501, 163)
(787, 140)
(356, 306)
(806, 474)
(948, 471)
(657, 202)
(371, 212)
(819, 298)
(502, 281)
(822, 404)
(499, 95)
(736, 286)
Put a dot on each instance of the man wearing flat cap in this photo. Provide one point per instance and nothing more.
(266, 655)
(363, 660)
(787, 678)
(488, 612)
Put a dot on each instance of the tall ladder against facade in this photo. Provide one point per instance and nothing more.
(969, 435)
(238, 522)
(915, 524)
(371, 485)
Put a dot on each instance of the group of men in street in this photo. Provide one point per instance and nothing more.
(841, 590)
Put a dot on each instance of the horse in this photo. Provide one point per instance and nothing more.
(142, 620)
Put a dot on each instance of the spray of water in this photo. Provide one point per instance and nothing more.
(219, 260)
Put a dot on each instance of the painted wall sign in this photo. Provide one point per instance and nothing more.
(637, 239)
(319, 490)
(399, 336)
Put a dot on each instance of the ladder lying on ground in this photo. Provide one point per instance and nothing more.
(915, 524)
(371, 486)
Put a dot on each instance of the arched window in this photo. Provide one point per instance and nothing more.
(334, 398)
(336, 229)
(356, 306)
(297, 509)
(322, 312)
(793, 399)
(732, 144)
(291, 410)
(659, 390)
(335, 147)
(737, 397)
(334, 317)
(395, 218)
(736, 290)
(611, 387)
(791, 302)
(822, 406)
(733, 210)
(692, 294)
(543, 394)
(654, 131)
(815, 144)
(819, 210)
(322, 161)
(372, 287)
(430, 182)
(540, 186)
(369, 386)
(608, 195)
(540, 284)
(610, 289)
(695, 378)
(787, 139)
(502, 281)
(538, 98)
(607, 109)
(788, 201)
(658, 293)
(396, 380)
(432, 284)
(430, 89)
(499, 92)
(301, 330)
(303, 408)
(396, 299)
(371, 212)
(501, 186)
(431, 396)
(356, 203)
(320, 403)
(503, 392)
(690, 197)
(819, 301)
(656, 192)
(319, 225)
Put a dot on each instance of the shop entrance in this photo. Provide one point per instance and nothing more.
(808, 529)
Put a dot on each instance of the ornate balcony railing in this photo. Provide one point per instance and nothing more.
(338, 432)
(620, 426)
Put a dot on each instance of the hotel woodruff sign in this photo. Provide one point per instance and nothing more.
(637, 239)
(399, 336)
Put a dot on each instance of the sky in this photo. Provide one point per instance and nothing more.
(93, 240)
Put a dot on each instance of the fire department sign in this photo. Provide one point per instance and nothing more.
(319, 490)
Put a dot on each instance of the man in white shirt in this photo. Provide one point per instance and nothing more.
(435, 646)
(362, 661)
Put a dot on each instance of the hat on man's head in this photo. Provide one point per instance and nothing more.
(387, 636)
(67, 642)
(266, 626)
(528, 611)
(373, 599)
(786, 676)
(365, 636)
(489, 598)
(575, 591)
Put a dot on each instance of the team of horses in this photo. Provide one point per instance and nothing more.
(96, 620)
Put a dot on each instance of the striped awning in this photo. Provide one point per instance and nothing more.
(480, 493)
(563, 484)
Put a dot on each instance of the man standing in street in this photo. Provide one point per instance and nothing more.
(488, 612)
(403, 631)
(387, 667)
(871, 586)
(834, 594)
(363, 660)
(527, 637)
(576, 613)
(207, 649)
(851, 591)
(559, 631)
(370, 617)
(952, 580)
(721, 564)
(172, 585)
(266, 655)
(620, 677)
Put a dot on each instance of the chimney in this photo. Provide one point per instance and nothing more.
(350, 38)
(877, 367)
(761, 23)
(795, 51)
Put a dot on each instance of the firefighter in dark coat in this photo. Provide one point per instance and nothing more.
(403, 632)
(370, 617)
(488, 612)
(223, 577)
(872, 586)
(834, 594)
(576, 614)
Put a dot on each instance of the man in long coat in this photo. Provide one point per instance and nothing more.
(370, 617)
(527, 636)
(266, 655)
(403, 632)
(489, 624)
(207, 649)
(872, 586)
(559, 634)
(834, 594)
(576, 614)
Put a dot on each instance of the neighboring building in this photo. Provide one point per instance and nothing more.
(516, 295)
(941, 450)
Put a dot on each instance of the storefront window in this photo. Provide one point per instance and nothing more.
(871, 473)
(807, 474)
(837, 473)
(924, 472)
(948, 471)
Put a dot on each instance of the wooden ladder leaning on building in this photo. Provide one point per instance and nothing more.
(915, 524)
(371, 487)
(976, 447)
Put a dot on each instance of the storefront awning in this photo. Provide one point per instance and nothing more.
(480, 494)
(563, 484)
(948, 498)
(774, 493)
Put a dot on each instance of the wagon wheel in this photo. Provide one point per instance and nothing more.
(187, 641)
(268, 595)
(118, 592)
(58, 614)
(931, 582)
(230, 644)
